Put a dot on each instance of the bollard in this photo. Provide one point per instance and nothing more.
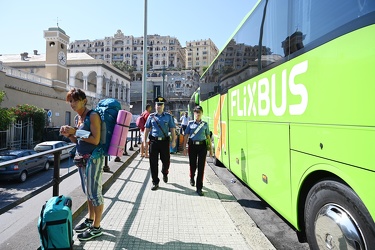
(131, 140)
(106, 167)
(56, 173)
(135, 138)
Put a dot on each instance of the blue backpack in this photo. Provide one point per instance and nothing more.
(107, 110)
(55, 224)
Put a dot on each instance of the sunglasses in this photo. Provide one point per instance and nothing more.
(159, 103)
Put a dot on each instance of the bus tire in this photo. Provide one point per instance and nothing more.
(336, 218)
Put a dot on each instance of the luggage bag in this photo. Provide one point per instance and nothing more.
(55, 224)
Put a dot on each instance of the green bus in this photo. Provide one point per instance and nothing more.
(290, 101)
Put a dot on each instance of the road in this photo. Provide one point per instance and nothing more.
(26, 212)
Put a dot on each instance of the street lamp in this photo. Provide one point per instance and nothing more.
(163, 75)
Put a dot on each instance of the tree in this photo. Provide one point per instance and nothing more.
(6, 117)
(38, 115)
(124, 67)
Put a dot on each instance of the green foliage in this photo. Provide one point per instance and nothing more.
(6, 117)
(124, 67)
(25, 111)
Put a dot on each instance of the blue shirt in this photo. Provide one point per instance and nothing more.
(201, 134)
(165, 121)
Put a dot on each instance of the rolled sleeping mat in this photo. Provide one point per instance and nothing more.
(120, 133)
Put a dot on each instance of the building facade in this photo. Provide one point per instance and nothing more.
(199, 54)
(172, 70)
(163, 51)
(44, 79)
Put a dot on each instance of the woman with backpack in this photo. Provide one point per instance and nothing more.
(88, 160)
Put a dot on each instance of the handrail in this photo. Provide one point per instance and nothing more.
(56, 180)
(52, 151)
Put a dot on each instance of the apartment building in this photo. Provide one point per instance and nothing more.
(163, 51)
(172, 70)
(199, 54)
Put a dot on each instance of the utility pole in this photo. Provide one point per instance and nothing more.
(144, 84)
(163, 74)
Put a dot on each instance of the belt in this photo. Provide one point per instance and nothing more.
(198, 142)
(159, 138)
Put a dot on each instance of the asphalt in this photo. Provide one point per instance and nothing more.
(172, 217)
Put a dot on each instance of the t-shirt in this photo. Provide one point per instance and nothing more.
(184, 120)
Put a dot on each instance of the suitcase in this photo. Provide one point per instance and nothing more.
(55, 224)
(120, 133)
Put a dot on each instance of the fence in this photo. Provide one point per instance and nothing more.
(18, 136)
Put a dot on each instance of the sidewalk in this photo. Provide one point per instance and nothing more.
(174, 216)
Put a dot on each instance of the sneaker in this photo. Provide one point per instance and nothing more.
(199, 192)
(91, 233)
(83, 226)
(155, 187)
(165, 178)
(192, 182)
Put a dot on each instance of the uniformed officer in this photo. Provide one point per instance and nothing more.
(196, 134)
(157, 128)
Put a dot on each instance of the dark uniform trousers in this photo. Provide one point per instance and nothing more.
(156, 148)
(197, 158)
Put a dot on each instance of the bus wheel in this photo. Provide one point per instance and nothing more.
(335, 218)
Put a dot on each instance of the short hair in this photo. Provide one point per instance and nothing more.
(75, 94)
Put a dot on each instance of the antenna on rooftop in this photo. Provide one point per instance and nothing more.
(57, 22)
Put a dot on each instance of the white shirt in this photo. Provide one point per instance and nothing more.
(184, 120)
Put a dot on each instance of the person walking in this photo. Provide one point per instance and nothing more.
(184, 122)
(89, 158)
(157, 128)
(196, 134)
(144, 145)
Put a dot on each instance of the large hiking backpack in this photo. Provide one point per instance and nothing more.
(55, 224)
(108, 110)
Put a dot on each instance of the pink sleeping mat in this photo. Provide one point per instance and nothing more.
(120, 133)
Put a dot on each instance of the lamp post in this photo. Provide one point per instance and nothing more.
(163, 75)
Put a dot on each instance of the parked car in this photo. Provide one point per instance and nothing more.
(49, 145)
(23, 168)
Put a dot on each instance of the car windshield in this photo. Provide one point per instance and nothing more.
(7, 158)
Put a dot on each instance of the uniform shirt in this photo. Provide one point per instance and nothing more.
(165, 121)
(201, 135)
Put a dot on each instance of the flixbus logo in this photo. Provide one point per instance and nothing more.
(271, 96)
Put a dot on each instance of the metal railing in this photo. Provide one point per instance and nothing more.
(57, 179)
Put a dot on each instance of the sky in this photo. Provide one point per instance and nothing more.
(23, 21)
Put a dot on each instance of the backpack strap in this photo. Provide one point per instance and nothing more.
(153, 116)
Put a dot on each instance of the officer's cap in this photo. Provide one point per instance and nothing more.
(160, 100)
(198, 108)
